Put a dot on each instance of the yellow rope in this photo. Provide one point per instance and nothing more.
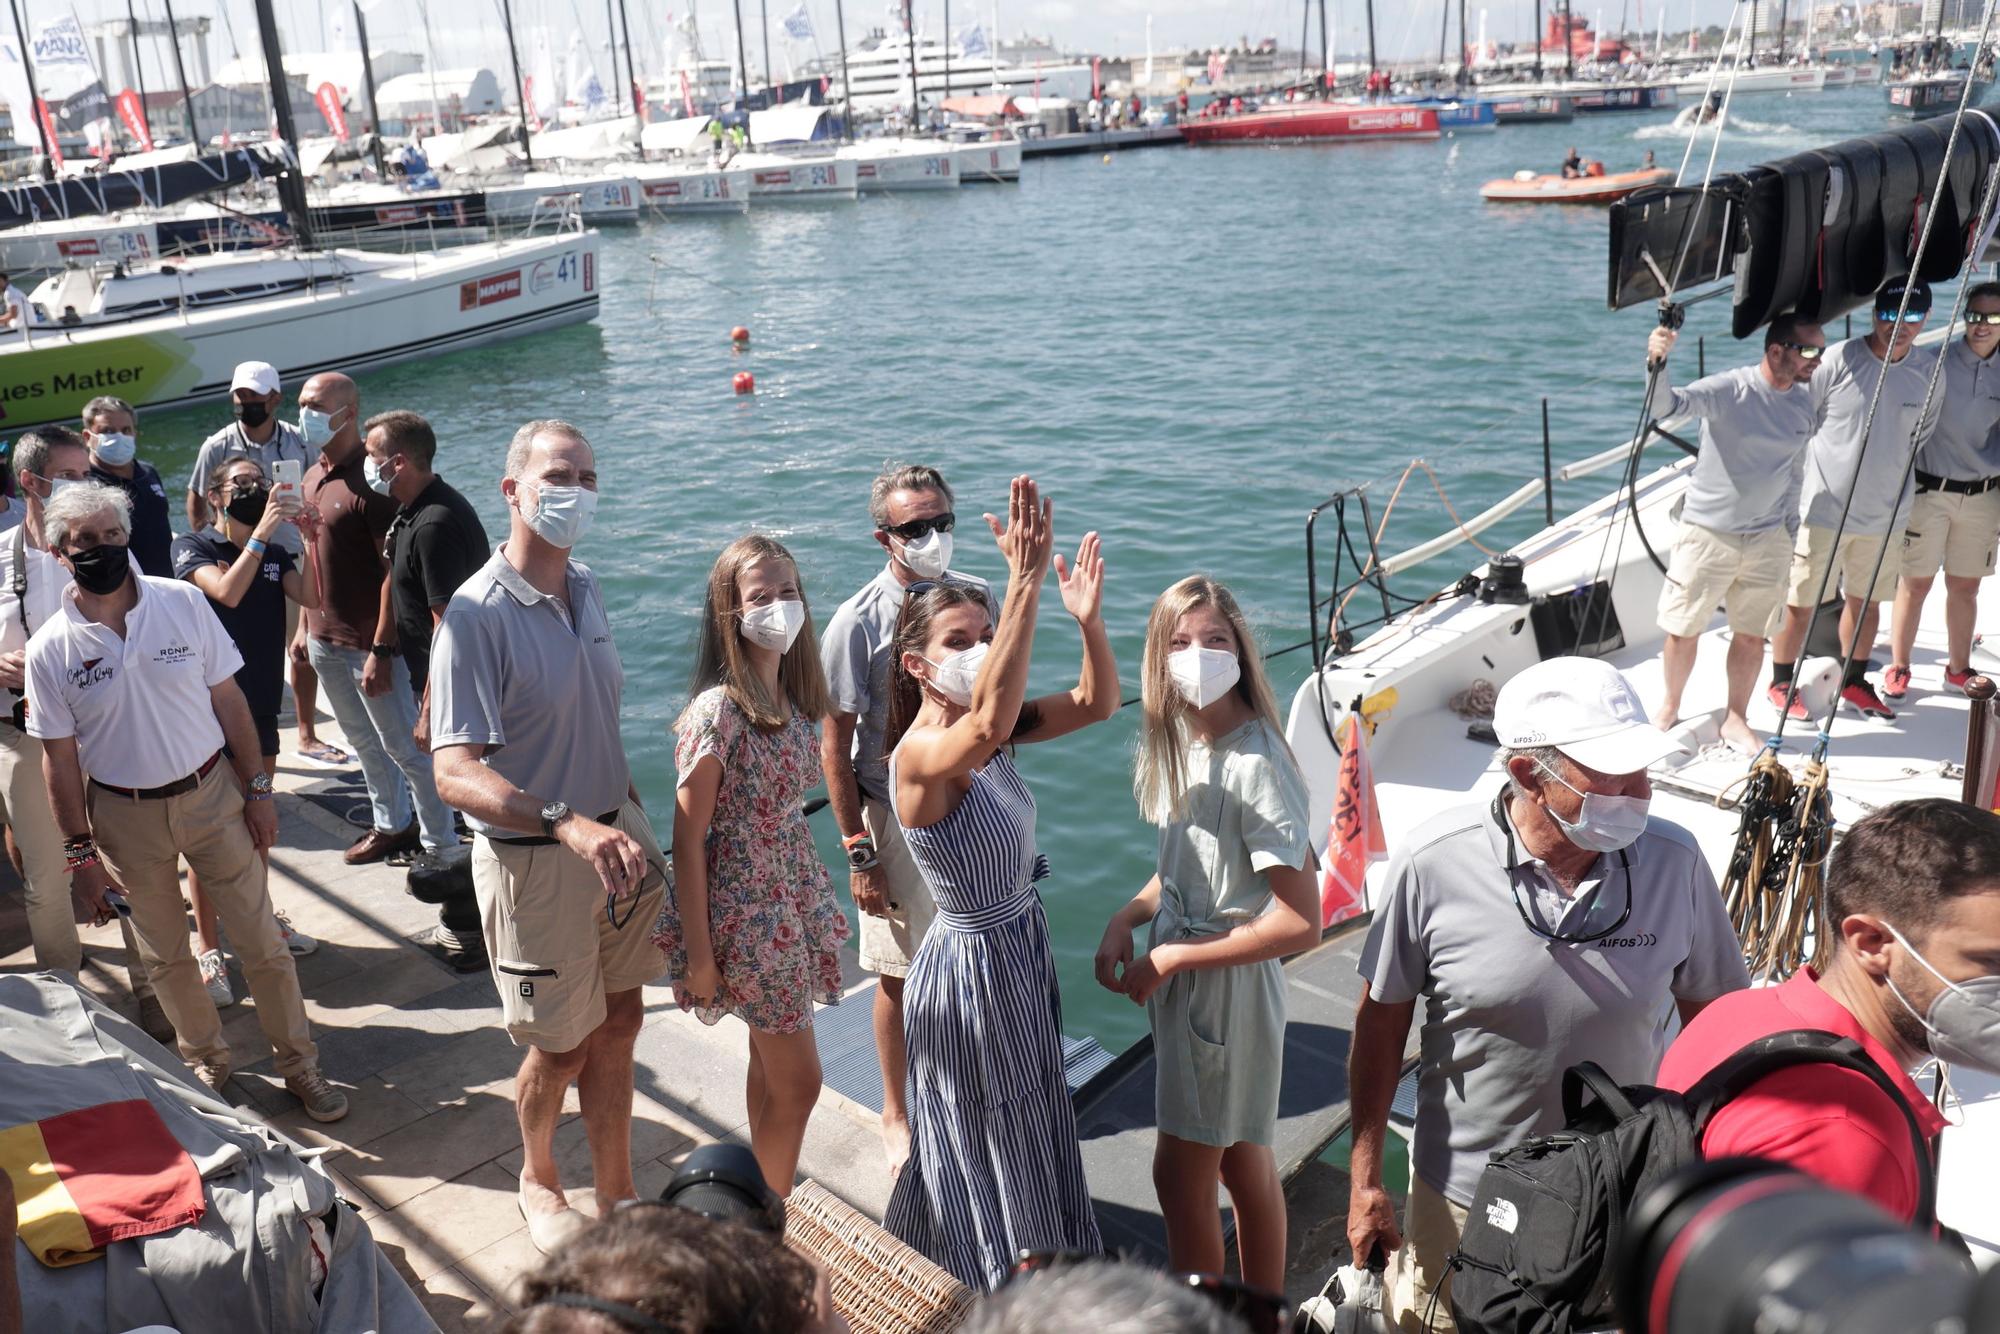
(1776, 870)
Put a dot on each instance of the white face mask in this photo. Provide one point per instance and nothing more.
(114, 448)
(1203, 675)
(953, 677)
(928, 557)
(562, 513)
(1606, 823)
(315, 426)
(775, 624)
(1964, 1021)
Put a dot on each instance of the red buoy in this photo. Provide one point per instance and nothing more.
(745, 382)
(740, 336)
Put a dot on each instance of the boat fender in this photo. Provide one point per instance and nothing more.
(1593, 169)
(744, 383)
(740, 336)
(1524, 175)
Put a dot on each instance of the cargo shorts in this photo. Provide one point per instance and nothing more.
(554, 952)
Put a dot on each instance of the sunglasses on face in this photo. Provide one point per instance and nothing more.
(1807, 351)
(1982, 317)
(918, 529)
(1909, 316)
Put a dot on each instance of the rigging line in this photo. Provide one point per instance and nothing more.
(1910, 463)
(1375, 538)
(1874, 400)
(1687, 153)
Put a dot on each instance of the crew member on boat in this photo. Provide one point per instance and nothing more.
(1572, 165)
(1741, 509)
(1955, 518)
(1861, 468)
(1553, 922)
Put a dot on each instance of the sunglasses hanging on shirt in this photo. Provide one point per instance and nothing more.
(1559, 936)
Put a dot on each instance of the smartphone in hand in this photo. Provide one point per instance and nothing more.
(286, 475)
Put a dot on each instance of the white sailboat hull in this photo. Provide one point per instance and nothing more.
(678, 189)
(542, 196)
(989, 160)
(780, 179)
(898, 166)
(1778, 79)
(366, 311)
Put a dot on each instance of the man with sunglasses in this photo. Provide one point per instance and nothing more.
(1857, 490)
(1955, 519)
(1741, 508)
(911, 507)
(1552, 922)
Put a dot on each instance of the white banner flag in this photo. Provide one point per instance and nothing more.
(14, 94)
(67, 78)
(585, 88)
(799, 24)
(972, 42)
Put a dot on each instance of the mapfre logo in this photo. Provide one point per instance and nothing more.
(91, 672)
(486, 291)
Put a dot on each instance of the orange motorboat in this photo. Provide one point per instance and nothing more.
(1593, 187)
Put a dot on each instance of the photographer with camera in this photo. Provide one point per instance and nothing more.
(1912, 926)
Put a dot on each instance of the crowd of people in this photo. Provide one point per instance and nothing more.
(1555, 922)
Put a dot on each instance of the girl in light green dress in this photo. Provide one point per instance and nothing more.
(1232, 897)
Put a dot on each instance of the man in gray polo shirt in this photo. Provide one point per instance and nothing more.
(1551, 923)
(911, 507)
(1740, 511)
(525, 694)
(1955, 519)
(1872, 468)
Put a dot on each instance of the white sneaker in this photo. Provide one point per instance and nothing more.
(297, 941)
(215, 976)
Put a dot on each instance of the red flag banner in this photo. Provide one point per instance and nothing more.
(133, 113)
(95, 1175)
(687, 94)
(1354, 836)
(328, 98)
(49, 133)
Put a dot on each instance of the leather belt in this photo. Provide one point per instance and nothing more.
(537, 841)
(173, 789)
(1931, 482)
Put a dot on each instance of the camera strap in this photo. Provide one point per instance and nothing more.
(1812, 1046)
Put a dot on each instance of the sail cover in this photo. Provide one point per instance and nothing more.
(1816, 232)
(45, 201)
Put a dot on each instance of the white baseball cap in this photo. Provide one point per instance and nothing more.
(1586, 709)
(260, 377)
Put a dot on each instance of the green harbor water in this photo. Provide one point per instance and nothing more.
(1187, 348)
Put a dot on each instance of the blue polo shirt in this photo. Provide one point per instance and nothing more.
(256, 624)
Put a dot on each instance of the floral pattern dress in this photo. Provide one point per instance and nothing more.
(774, 923)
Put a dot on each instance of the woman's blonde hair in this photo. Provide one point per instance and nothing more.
(1160, 768)
(720, 659)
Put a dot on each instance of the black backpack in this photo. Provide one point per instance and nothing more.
(1537, 1253)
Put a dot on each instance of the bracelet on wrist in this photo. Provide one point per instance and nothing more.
(868, 865)
(79, 841)
(256, 796)
(257, 544)
(74, 864)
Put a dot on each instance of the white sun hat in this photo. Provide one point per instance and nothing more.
(259, 377)
(1585, 708)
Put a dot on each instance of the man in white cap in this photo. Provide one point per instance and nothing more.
(1551, 922)
(258, 435)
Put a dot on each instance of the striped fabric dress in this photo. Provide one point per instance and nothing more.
(994, 1166)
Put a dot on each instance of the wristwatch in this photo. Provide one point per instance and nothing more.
(383, 650)
(554, 814)
(861, 853)
(260, 784)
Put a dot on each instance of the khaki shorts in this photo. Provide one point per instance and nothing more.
(555, 955)
(889, 943)
(1742, 571)
(1856, 557)
(1959, 534)
(1432, 1225)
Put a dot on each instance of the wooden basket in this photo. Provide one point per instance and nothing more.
(880, 1285)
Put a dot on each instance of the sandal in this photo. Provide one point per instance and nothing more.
(320, 752)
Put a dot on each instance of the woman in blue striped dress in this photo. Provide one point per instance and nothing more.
(994, 1166)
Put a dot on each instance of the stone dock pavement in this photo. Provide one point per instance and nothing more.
(430, 1151)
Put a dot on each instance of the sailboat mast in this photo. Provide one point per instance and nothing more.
(611, 41)
(947, 48)
(1781, 31)
(1371, 34)
(520, 88)
(1538, 41)
(742, 60)
(1325, 61)
(180, 72)
(1305, 26)
(1569, 45)
(1464, 50)
(764, 22)
(368, 82)
(291, 187)
(846, 92)
(138, 67)
(631, 70)
(33, 112)
(910, 40)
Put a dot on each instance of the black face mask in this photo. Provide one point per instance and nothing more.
(102, 569)
(252, 414)
(247, 507)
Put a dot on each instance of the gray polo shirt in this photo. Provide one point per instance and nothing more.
(1963, 446)
(855, 654)
(1506, 1011)
(1841, 388)
(1753, 449)
(536, 680)
(230, 443)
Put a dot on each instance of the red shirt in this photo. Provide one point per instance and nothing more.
(1827, 1122)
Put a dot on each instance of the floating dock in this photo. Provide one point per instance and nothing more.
(1100, 141)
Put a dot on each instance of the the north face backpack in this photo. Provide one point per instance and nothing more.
(1540, 1239)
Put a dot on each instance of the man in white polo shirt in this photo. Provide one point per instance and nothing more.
(525, 694)
(133, 682)
(1551, 922)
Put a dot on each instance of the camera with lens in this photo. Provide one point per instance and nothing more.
(723, 1182)
(1744, 1246)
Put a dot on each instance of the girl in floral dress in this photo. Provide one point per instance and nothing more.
(752, 928)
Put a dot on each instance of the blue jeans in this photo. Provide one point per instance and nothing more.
(379, 730)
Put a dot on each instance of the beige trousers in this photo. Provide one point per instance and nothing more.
(1431, 1228)
(141, 842)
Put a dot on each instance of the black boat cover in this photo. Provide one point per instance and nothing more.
(1816, 232)
(84, 196)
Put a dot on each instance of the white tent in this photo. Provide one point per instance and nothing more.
(592, 141)
(794, 122)
(458, 92)
(674, 136)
